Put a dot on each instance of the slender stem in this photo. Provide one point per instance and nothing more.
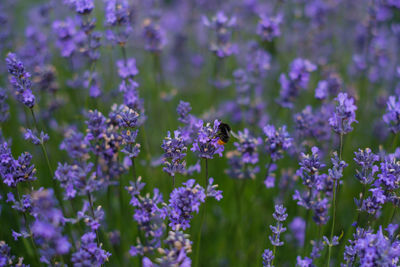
(274, 253)
(134, 170)
(333, 222)
(305, 245)
(28, 228)
(42, 145)
(341, 146)
(44, 150)
(123, 50)
(203, 213)
(89, 195)
(361, 202)
(393, 212)
(334, 204)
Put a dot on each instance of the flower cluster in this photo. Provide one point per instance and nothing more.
(89, 253)
(20, 80)
(268, 27)
(184, 201)
(280, 216)
(47, 227)
(222, 27)
(298, 78)
(149, 217)
(243, 160)
(174, 154)
(178, 246)
(207, 142)
(392, 116)
(344, 114)
(277, 141)
(368, 248)
(14, 171)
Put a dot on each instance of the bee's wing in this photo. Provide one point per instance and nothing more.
(234, 135)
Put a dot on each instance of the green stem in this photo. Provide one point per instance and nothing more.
(305, 245)
(334, 204)
(274, 253)
(333, 222)
(89, 195)
(203, 213)
(46, 156)
(28, 228)
(42, 145)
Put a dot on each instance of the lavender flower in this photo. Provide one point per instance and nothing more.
(68, 36)
(76, 145)
(23, 205)
(277, 141)
(268, 257)
(36, 140)
(392, 116)
(365, 159)
(268, 27)
(298, 78)
(336, 172)
(6, 259)
(183, 111)
(222, 26)
(297, 227)
(4, 108)
(84, 6)
(89, 253)
(306, 262)
(14, 171)
(118, 16)
(184, 201)
(243, 160)
(154, 35)
(280, 216)
(77, 179)
(207, 141)
(93, 220)
(178, 246)
(149, 217)
(127, 69)
(310, 166)
(390, 173)
(47, 227)
(321, 92)
(344, 114)
(174, 154)
(375, 249)
(20, 80)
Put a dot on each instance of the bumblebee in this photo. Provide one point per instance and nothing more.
(224, 133)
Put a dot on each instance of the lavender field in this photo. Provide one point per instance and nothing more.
(199, 133)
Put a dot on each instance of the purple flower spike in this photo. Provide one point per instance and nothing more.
(184, 201)
(20, 80)
(344, 114)
(207, 142)
(128, 69)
